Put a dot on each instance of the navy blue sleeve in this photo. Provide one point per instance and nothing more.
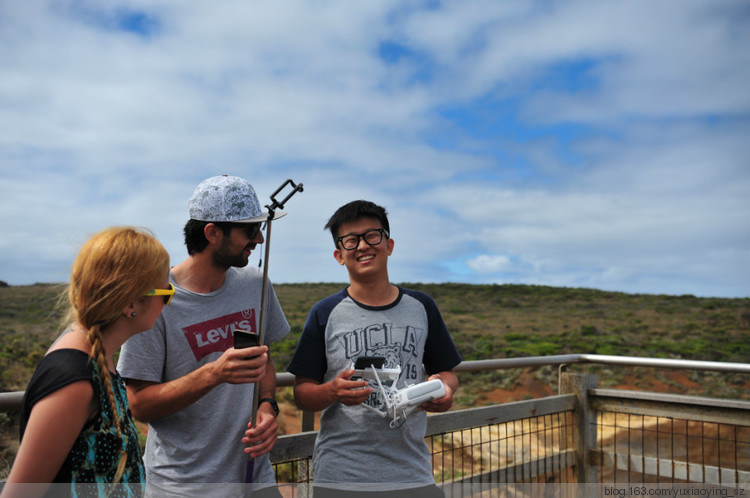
(440, 353)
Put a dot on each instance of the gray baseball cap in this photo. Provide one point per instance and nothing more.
(227, 198)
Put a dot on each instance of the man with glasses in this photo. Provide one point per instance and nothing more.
(185, 378)
(357, 449)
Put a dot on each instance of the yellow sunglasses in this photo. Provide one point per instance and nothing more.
(167, 293)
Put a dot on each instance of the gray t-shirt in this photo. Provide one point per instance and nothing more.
(355, 444)
(202, 443)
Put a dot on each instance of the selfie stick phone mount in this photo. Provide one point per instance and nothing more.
(275, 204)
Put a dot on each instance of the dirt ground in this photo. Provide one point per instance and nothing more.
(530, 387)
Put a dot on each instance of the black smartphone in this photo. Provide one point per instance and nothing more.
(363, 364)
(245, 339)
(367, 361)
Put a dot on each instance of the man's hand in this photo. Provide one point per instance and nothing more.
(346, 391)
(153, 400)
(260, 439)
(442, 404)
(311, 395)
(241, 366)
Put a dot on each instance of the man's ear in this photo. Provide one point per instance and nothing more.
(213, 233)
(338, 256)
(390, 245)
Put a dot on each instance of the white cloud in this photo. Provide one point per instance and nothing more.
(489, 263)
(566, 143)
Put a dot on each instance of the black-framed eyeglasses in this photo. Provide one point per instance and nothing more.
(372, 237)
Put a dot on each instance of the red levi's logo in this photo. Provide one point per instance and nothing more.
(216, 334)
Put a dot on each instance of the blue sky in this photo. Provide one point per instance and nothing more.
(569, 143)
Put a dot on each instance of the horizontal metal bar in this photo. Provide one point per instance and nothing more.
(11, 401)
(284, 379)
(632, 361)
(506, 363)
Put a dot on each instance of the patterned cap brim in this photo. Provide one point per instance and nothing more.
(262, 217)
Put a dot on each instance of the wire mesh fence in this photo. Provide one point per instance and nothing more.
(624, 436)
(637, 437)
(528, 450)
(637, 448)
(534, 449)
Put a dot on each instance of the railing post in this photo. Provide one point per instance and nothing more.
(308, 421)
(304, 488)
(579, 384)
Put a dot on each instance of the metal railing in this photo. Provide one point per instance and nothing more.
(579, 435)
(11, 401)
(583, 434)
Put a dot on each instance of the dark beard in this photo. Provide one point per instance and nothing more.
(223, 259)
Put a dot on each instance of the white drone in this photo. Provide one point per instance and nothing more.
(399, 403)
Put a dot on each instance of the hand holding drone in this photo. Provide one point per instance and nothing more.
(399, 402)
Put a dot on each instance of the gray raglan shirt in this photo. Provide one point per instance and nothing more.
(202, 443)
(355, 444)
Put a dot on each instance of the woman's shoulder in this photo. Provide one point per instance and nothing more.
(62, 357)
(60, 367)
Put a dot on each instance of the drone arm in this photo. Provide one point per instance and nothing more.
(382, 389)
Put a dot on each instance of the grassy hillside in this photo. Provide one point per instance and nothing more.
(505, 321)
(29, 322)
(486, 321)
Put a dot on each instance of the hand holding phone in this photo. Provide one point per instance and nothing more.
(244, 339)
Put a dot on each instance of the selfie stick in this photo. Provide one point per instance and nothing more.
(264, 291)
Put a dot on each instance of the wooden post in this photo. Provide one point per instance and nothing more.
(579, 384)
(308, 421)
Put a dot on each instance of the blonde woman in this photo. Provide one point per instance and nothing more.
(76, 425)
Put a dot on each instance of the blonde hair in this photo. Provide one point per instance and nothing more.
(114, 268)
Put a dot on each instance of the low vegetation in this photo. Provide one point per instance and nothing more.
(486, 321)
(509, 321)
